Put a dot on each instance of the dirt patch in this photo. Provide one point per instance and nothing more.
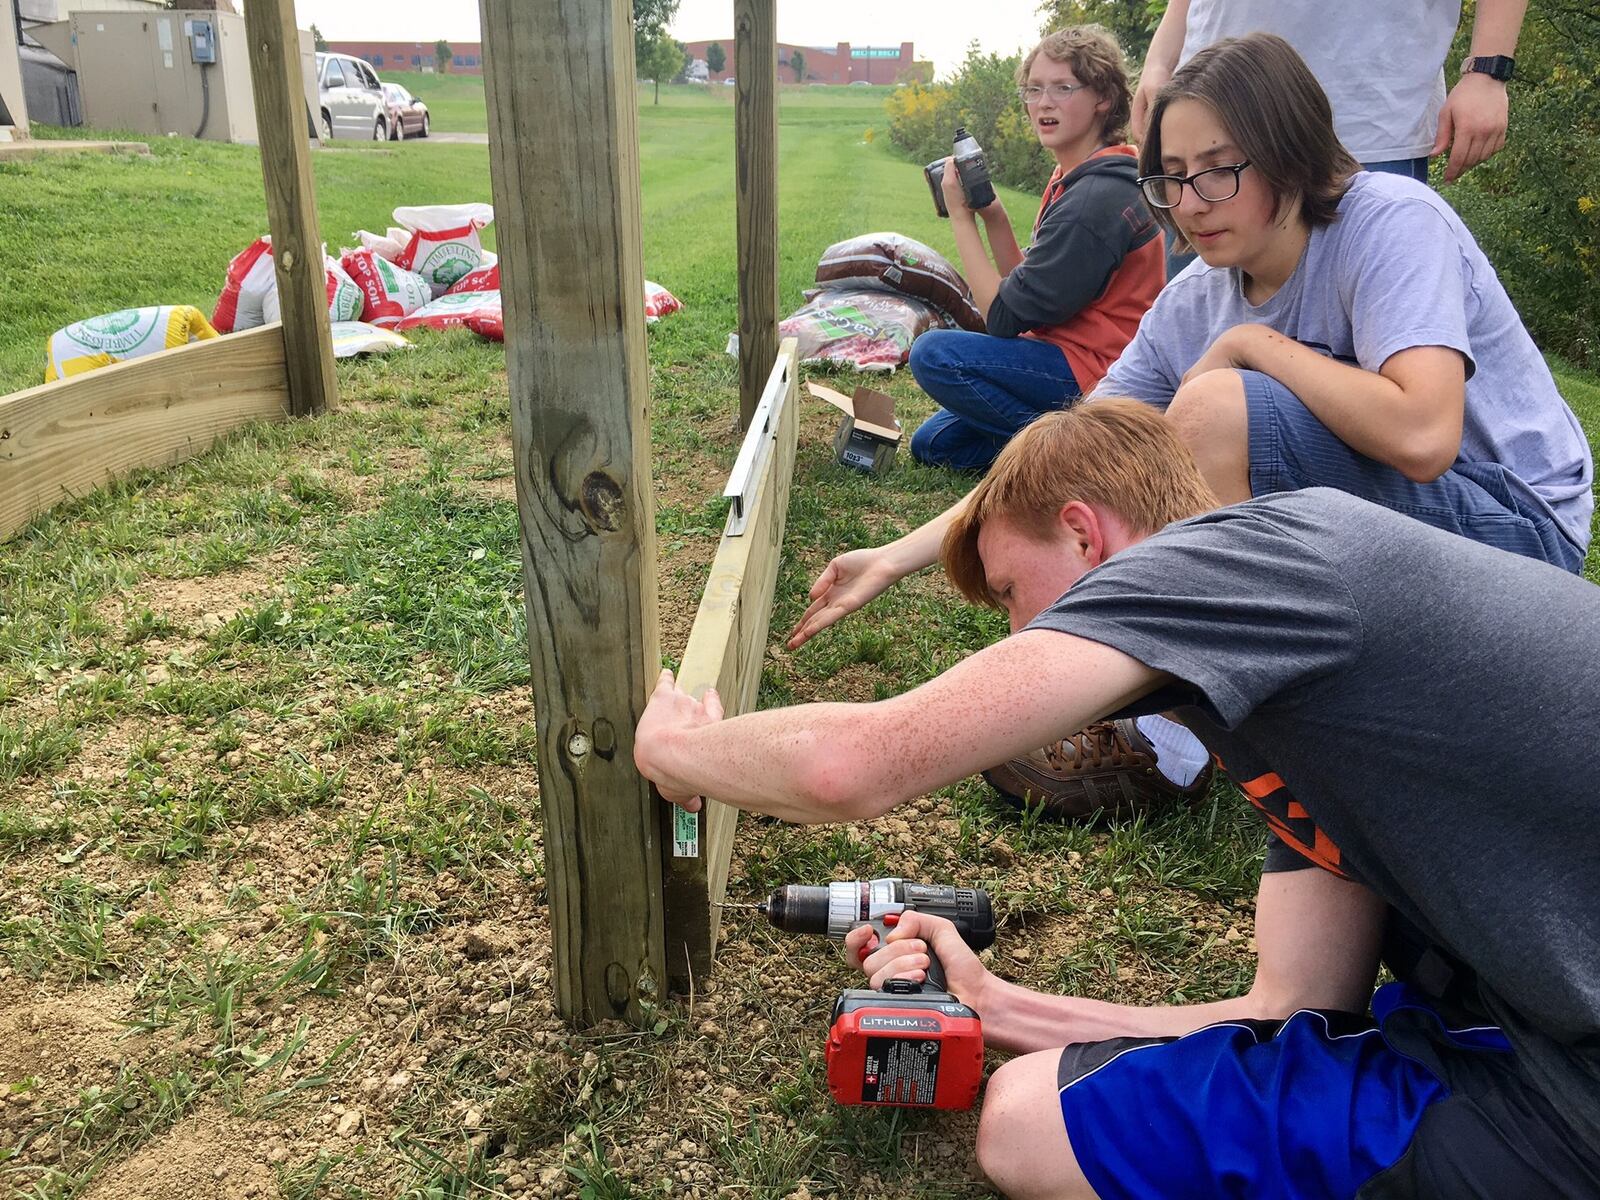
(63, 1042)
(206, 1157)
(206, 601)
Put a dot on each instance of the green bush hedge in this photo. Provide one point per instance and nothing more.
(983, 97)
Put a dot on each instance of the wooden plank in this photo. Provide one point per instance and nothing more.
(279, 90)
(61, 440)
(35, 148)
(726, 649)
(564, 159)
(755, 99)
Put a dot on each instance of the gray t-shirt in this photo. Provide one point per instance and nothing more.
(1379, 62)
(1408, 708)
(1396, 270)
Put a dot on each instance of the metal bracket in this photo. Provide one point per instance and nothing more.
(745, 478)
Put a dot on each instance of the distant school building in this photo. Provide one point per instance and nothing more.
(840, 63)
(466, 57)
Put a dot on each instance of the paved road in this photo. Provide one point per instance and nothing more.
(470, 139)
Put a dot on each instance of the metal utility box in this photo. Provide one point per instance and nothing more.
(182, 72)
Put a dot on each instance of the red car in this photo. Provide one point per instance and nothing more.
(408, 116)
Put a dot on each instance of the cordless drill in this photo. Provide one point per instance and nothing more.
(910, 1044)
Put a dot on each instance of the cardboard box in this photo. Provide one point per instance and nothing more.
(869, 434)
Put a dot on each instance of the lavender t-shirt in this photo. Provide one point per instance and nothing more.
(1397, 269)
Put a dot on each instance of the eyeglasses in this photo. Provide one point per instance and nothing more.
(1059, 92)
(1211, 185)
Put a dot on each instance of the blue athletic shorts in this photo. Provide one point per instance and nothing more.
(1321, 1106)
(1291, 449)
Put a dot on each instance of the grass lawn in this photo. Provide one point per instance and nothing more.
(272, 895)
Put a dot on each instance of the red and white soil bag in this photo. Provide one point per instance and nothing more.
(478, 311)
(250, 293)
(389, 292)
(389, 245)
(485, 279)
(658, 302)
(444, 243)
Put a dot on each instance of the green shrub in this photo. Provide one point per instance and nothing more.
(982, 97)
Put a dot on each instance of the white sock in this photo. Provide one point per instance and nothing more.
(1179, 753)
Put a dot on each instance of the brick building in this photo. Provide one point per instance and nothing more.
(841, 63)
(467, 57)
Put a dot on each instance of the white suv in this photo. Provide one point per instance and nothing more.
(352, 98)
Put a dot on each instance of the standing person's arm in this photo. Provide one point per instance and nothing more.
(1472, 124)
(1160, 61)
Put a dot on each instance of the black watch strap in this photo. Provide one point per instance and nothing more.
(1495, 66)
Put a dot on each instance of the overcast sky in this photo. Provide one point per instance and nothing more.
(940, 29)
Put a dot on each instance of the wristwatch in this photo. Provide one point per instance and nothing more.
(1495, 66)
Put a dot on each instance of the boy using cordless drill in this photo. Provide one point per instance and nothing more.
(1382, 692)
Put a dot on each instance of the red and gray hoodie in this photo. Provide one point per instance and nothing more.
(1095, 265)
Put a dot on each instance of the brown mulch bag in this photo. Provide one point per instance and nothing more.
(890, 262)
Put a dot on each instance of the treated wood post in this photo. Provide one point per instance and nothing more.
(280, 96)
(755, 97)
(564, 159)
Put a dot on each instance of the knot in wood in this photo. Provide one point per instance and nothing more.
(605, 738)
(288, 260)
(601, 500)
(619, 987)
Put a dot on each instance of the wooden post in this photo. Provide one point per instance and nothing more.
(280, 96)
(755, 97)
(564, 158)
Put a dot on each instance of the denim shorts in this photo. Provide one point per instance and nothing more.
(1291, 449)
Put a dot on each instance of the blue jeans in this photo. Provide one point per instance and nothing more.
(989, 388)
(1416, 168)
(1291, 449)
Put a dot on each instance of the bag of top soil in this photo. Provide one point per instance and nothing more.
(250, 293)
(485, 279)
(344, 296)
(119, 336)
(351, 338)
(389, 245)
(444, 243)
(389, 292)
(867, 330)
(476, 310)
(891, 262)
(658, 302)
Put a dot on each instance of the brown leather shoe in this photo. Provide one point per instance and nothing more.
(1110, 767)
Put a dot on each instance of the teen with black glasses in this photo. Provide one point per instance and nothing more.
(1342, 328)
